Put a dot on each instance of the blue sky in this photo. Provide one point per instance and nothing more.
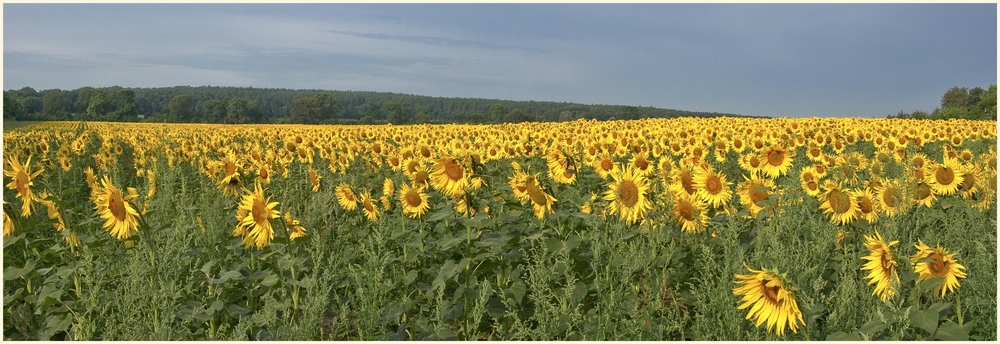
(788, 60)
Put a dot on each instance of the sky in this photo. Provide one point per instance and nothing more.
(779, 60)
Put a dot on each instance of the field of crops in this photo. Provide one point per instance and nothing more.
(658, 229)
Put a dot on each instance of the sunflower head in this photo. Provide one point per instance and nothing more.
(414, 200)
(936, 262)
(254, 215)
(113, 206)
(881, 265)
(627, 193)
(770, 300)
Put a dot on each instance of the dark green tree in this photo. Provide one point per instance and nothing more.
(83, 100)
(181, 108)
(955, 97)
(55, 105)
(397, 112)
(126, 108)
(497, 112)
(11, 107)
(236, 111)
(305, 110)
(987, 105)
(254, 112)
(99, 108)
(215, 110)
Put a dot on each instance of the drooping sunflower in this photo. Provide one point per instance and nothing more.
(923, 194)
(368, 207)
(541, 201)
(689, 212)
(627, 194)
(889, 197)
(936, 262)
(346, 197)
(254, 215)
(295, 229)
(770, 300)
(21, 175)
(8, 223)
(449, 177)
(972, 177)
(712, 186)
(230, 181)
(881, 265)
(414, 201)
(838, 203)
(112, 205)
(944, 178)
(682, 180)
(867, 206)
(777, 160)
(754, 192)
(314, 178)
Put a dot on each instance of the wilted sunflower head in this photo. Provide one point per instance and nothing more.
(770, 300)
(881, 265)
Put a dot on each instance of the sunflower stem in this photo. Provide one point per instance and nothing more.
(958, 308)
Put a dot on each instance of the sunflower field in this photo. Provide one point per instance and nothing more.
(655, 229)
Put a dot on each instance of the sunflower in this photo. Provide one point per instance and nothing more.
(8, 223)
(712, 186)
(754, 192)
(972, 176)
(641, 162)
(750, 162)
(690, 212)
(91, 179)
(771, 300)
(944, 178)
(923, 194)
(388, 187)
(777, 160)
(346, 197)
(809, 181)
(882, 267)
(113, 206)
(414, 200)
(254, 215)
(839, 203)
(540, 200)
(263, 173)
(604, 165)
(314, 178)
(449, 177)
(367, 206)
(936, 262)
(627, 193)
(682, 180)
(296, 230)
(867, 206)
(21, 175)
(231, 180)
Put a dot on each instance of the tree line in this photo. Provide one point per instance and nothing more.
(961, 102)
(215, 104)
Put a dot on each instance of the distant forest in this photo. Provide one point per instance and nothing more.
(213, 104)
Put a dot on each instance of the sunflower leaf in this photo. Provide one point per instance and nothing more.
(925, 319)
(872, 326)
(932, 283)
(951, 331)
(841, 335)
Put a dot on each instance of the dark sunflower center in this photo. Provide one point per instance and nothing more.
(890, 196)
(938, 267)
(607, 164)
(394, 161)
(22, 179)
(263, 173)
(687, 181)
(686, 211)
(839, 201)
(259, 211)
(968, 182)
(944, 175)
(368, 206)
(754, 162)
(923, 191)
(425, 152)
(230, 168)
(413, 199)
(758, 193)
(712, 185)
(641, 163)
(775, 158)
(814, 152)
(421, 177)
(771, 293)
(812, 185)
(866, 205)
(628, 193)
(117, 205)
(453, 171)
(886, 261)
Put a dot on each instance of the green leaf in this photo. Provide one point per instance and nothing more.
(11, 273)
(939, 307)
(440, 215)
(872, 326)
(236, 311)
(925, 319)
(56, 323)
(841, 335)
(931, 283)
(207, 268)
(270, 280)
(230, 275)
(410, 277)
(951, 331)
(517, 290)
